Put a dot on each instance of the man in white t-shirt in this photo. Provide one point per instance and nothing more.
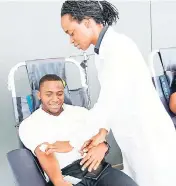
(56, 132)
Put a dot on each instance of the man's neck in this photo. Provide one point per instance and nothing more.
(54, 114)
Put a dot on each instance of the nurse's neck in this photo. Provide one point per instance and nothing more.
(97, 28)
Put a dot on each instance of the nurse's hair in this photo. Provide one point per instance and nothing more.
(51, 77)
(102, 12)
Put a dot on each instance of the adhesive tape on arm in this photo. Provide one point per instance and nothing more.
(43, 147)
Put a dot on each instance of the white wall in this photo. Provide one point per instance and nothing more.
(163, 27)
(135, 22)
(163, 24)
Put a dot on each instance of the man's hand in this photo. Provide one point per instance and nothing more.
(94, 157)
(58, 146)
(94, 141)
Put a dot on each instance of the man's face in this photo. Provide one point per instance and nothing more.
(51, 95)
(80, 33)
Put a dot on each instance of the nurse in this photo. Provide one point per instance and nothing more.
(128, 102)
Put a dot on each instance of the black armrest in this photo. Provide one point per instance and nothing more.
(25, 168)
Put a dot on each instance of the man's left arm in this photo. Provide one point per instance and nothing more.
(67, 146)
(59, 146)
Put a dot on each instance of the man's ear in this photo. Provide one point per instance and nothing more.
(38, 95)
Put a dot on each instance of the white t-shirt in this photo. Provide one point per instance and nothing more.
(42, 127)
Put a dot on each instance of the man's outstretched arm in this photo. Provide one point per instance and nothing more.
(51, 166)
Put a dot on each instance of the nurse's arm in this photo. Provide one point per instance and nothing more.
(95, 140)
(172, 102)
(99, 138)
(51, 166)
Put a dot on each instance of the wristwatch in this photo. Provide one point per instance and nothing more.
(107, 144)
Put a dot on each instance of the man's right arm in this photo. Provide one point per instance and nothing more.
(31, 139)
(51, 166)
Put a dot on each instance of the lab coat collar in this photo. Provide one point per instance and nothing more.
(100, 38)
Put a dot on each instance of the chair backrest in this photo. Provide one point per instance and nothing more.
(163, 82)
(68, 69)
(168, 59)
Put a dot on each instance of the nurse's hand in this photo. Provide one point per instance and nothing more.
(94, 157)
(94, 141)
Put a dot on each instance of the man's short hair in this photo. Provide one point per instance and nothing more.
(50, 77)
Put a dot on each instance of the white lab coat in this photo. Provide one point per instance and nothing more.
(130, 106)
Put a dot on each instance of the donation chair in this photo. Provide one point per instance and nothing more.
(162, 64)
(24, 165)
